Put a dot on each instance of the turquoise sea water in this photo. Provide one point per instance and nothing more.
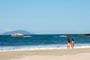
(49, 41)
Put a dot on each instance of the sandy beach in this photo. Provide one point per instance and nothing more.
(54, 54)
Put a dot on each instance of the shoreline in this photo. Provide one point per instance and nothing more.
(44, 47)
(37, 49)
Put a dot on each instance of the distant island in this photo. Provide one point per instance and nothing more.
(17, 31)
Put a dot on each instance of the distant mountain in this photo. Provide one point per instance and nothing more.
(17, 31)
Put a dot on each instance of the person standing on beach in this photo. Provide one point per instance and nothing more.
(68, 43)
(72, 43)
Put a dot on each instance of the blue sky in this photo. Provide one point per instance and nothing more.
(45, 16)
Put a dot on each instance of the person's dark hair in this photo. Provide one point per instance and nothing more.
(72, 39)
(69, 40)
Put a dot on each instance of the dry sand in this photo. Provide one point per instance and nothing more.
(61, 54)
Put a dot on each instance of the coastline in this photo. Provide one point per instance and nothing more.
(42, 47)
(21, 55)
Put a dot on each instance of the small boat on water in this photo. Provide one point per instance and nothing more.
(62, 36)
(17, 35)
(27, 36)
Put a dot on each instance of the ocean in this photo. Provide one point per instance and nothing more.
(43, 41)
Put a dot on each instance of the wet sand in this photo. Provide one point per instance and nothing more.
(54, 54)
